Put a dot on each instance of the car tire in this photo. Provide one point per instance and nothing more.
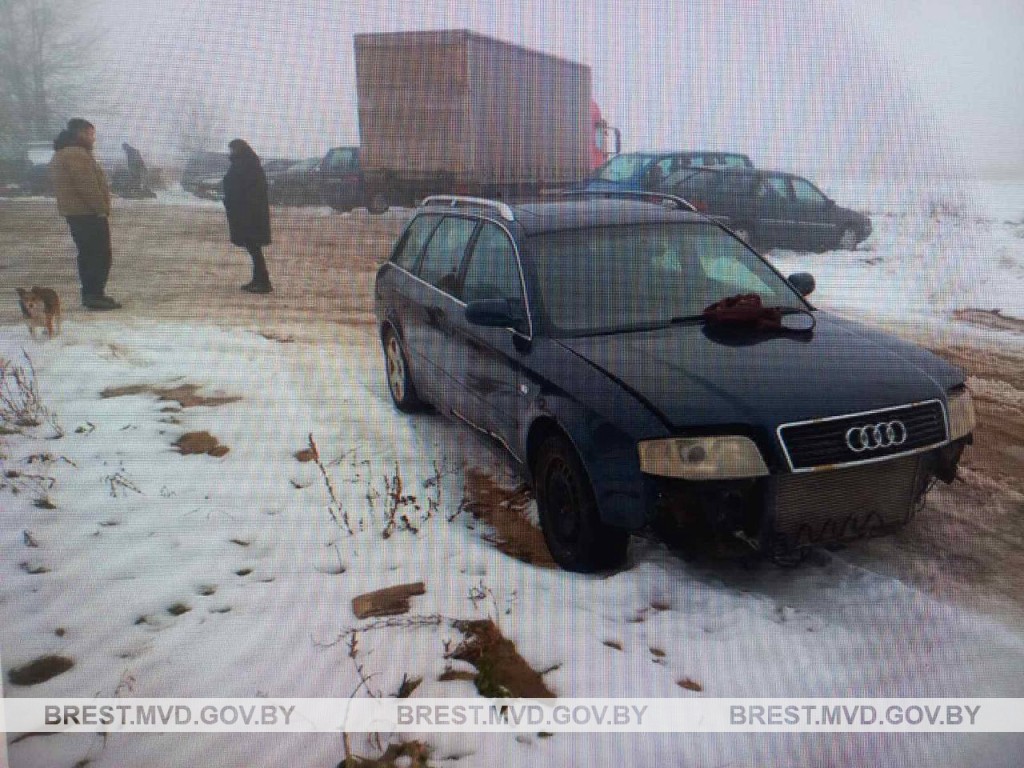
(377, 204)
(847, 240)
(575, 536)
(396, 368)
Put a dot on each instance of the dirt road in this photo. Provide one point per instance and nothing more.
(173, 262)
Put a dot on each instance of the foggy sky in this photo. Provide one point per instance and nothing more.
(871, 86)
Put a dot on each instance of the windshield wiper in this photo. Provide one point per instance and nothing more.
(620, 329)
(683, 319)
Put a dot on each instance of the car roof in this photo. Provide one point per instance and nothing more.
(535, 217)
(679, 153)
(738, 171)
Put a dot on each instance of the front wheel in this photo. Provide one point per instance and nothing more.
(573, 531)
(400, 385)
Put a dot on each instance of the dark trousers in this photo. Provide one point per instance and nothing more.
(92, 238)
(260, 275)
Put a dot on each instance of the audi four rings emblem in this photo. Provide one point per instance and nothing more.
(885, 434)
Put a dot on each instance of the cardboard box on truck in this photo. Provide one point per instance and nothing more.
(455, 111)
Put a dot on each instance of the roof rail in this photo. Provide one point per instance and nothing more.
(636, 194)
(453, 201)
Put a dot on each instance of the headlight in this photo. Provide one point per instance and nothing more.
(961, 414)
(702, 458)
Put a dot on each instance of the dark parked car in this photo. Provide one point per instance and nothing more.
(577, 334)
(343, 184)
(296, 182)
(771, 208)
(37, 179)
(647, 170)
(203, 174)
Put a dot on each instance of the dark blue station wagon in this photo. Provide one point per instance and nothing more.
(575, 334)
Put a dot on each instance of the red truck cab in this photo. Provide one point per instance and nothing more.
(605, 140)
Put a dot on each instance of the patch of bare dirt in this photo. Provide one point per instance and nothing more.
(305, 455)
(996, 381)
(690, 685)
(504, 510)
(185, 395)
(990, 318)
(200, 442)
(407, 754)
(40, 670)
(456, 674)
(390, 601)
(501, 671)
(174, 262)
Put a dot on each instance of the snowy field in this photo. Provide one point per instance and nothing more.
(232, 573)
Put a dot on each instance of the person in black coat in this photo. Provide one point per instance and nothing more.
(248, 212)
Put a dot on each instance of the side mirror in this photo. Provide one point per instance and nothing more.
(496, 313)
(803, 282)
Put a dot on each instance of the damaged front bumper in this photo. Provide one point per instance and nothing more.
(784, 513)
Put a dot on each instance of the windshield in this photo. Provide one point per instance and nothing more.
(643, 276)
(623, 168)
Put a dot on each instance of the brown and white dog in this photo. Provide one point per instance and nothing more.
(41, 308)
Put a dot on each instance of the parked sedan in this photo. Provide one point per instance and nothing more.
(646, 367)
(771, 208)
(297, 183)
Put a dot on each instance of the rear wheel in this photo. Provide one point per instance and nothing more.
(400, 385)
(575, 535)
(847, 239)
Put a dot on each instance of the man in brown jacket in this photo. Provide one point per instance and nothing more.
(83, 199)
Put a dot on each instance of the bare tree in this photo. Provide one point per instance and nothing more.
(194, 125)
(44, 50)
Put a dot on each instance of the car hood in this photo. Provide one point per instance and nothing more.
(695, 375)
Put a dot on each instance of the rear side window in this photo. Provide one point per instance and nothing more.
(776, 187)
(806, 193)
(443, 255)
(416, 236)
(737, 161)
(493, 271)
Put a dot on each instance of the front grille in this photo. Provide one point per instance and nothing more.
(843, 504)
(823, 442)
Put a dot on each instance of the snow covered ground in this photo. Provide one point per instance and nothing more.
(163, 574)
